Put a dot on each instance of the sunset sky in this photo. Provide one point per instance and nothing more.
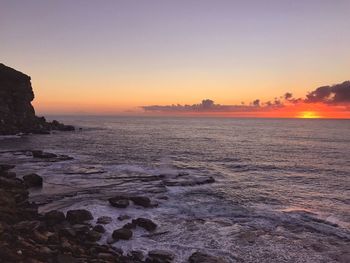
(113, 57)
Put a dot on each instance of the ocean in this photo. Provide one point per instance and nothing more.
(248, 190)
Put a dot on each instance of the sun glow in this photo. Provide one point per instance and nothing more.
(309, 115)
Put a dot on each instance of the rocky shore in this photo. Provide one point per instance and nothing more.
(27, 236)
(17, 115)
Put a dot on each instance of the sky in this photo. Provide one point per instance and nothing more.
(115, 57)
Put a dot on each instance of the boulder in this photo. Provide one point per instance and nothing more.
(104, 220)
(93, 236)
(141, 201)
(160, 256)
(99, 229)
(123, 217)
(54, 217)
(145, 223)
(199, 257)
(119, 202)
(78, 216)
(33, 180)
(122, 233)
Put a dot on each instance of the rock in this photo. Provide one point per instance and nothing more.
(78, 216)
(43, 155)
(64, 258)
(122, 233)
(119, 202)
(129, 225)
(136, 255)
(123, 217)
(199, 257)
(93, 235)
(104, 220)
(99, 229)
(33, 180)
(106, 257)
(160, 256)
(27, 226)
(6, 167)
(17, 114)
(141, 201)
(145, 223)
(54, 217)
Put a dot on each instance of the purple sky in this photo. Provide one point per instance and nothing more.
(148, 52)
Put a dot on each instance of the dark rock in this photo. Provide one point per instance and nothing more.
(136, 255)
(160, 256)
(27, 226)
(119, 202)
(99, 229)
(141, 201)
(78, 216)
(64, 258)
(43, 155)
(145, 223)
(17, 114)
(54, 217)
(104, 220)
(122, 233)
(93, 235)
(33, 180)
(199, 257)
(129, 225)
(123, 217)
(6, 167)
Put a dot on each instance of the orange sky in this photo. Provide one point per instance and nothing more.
(115, 57)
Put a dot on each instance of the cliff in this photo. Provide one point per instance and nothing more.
(16, 111)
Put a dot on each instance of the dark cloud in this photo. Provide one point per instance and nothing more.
(336, 94)
(209, 106)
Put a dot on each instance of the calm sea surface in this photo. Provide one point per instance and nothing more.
(280, 185)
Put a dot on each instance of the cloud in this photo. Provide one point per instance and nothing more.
(208, 105)
(336, 94)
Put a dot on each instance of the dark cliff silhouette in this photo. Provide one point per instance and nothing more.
(17, 115)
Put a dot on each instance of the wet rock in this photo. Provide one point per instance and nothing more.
(160, 256)
(99, 229)
(54, 217)
(106, 257)
(78, 216)
(119, 202)
(122, 233)
(136, 255)
(129, 225)
(64, 258)
(6, 167)
(43, 155)
(33, 180)
(67, 231)
(123, 217)
(199, 257)
(145, 223)
(189, 181)
(104, 220)
(80, 228)
(93, 235)
(27, 226)
(141, 201)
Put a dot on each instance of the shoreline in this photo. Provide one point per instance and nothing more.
(27, 236)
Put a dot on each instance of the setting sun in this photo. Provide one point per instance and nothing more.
(309, 115)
